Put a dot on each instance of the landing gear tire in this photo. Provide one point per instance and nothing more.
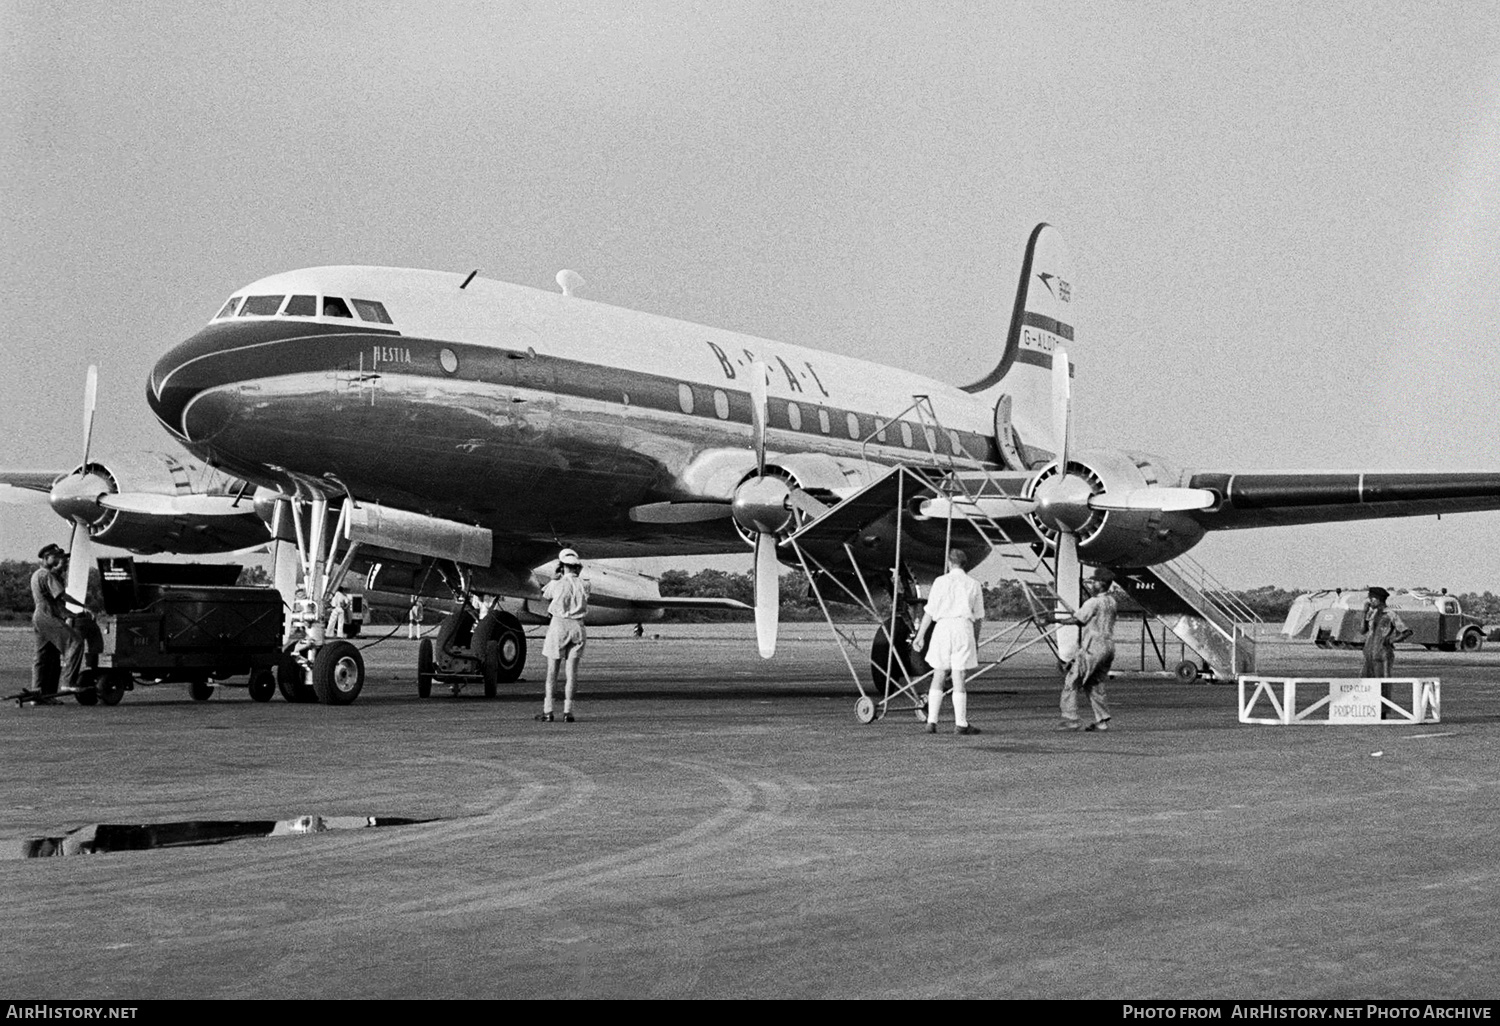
(200, 690)
(426, 668)
(1472, 641)
(291, 680)
(901, 658)
(338, 673)
(111, 687)
(1186, 671)
(489, 666)
(505, 633)
(864, 709)
(87, 695)
(262, 685)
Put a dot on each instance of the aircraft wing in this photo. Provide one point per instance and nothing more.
(1284, 499)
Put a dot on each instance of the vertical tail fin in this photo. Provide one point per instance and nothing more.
(1042, 320)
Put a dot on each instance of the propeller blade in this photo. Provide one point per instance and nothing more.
(994, 506)
(80, 558)
(767, 594)
(1069, 591)
(807, 504)
(758, 413)
(12, 496)
(680, 512)
(1062, 398)
(90, 399)
(155, 505)
(1167, 500)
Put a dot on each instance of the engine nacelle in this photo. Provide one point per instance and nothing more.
(826, 478)
(155, 473)
(1125, 538)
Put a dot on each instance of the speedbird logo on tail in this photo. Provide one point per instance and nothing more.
(1064, 291)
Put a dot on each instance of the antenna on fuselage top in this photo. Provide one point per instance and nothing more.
(570, 282)
(469, 278)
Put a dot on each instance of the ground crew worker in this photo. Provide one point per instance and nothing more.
(414, 618)
(59, 643)
(956, 606)
(338, 614)
(569, 602)
(1383, 628)
(1089, 669)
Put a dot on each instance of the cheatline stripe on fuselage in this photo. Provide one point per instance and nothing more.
(351, 352)
(1045, 323)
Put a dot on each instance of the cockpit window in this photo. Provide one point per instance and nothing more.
(261, 306)
(301, 306)
(369, 310)
(333, 306)
(228, 310)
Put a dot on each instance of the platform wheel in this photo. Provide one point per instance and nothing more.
(200, 690)
(112, 685)
(87, 693)
(426, 668)
(262, 685)
(1186, 671)
(864, 709)
(338, 673)
(291, 680)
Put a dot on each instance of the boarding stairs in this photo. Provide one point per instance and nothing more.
(1201, 612)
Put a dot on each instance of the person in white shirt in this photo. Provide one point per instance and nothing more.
(414, 618)
(569, 595)
(338, 614)
(956, 606)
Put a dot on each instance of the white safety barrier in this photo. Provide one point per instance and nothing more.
(1339, 700)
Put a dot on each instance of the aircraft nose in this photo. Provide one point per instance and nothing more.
(182, 375)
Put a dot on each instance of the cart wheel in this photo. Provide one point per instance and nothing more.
(262, 685)
(200, 690)
(338, 673)
(86, 693)
(1186, 671)
(864, 709)
(426, 667)
(111, 687)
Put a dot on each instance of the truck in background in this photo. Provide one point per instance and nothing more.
(1335, 619)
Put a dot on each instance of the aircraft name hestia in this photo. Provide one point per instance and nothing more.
(390, 354)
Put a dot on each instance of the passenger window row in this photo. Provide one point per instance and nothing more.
(303, 306)
(785, 413)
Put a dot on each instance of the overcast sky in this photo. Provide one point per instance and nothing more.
(1283, 216)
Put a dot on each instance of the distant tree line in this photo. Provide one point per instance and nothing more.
(1005, 600)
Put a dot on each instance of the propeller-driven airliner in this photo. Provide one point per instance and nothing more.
(437, 426)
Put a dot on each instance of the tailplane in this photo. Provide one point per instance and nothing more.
(1041, 323)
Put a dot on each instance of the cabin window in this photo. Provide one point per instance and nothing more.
(685, 398)
(823, 422)
(957, 443)
(794, 416)
(448, 360)
(932, 445)
(369, 310)
(721, 404)
(228, 310)
(333, 306)
(261, 306)
(879, 430)
(853, 421)
(906, 434)
(302, 306)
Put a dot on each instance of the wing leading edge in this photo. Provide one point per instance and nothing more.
(1272, 499)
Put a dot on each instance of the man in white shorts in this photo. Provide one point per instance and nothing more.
(569, 595)
(956, 606)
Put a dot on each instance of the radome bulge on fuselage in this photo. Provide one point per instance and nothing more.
(526, 410)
